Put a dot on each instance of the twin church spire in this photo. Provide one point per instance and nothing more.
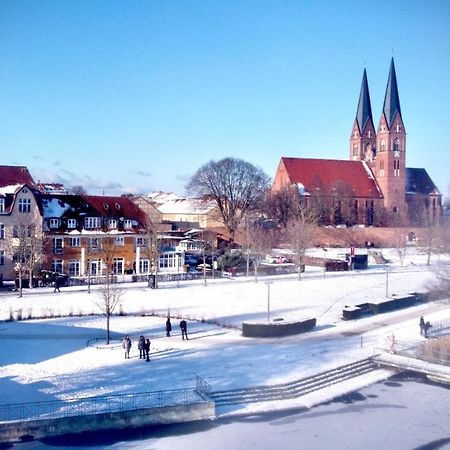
(382, 149)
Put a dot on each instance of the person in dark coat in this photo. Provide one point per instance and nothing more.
(126, 343)
(58, 283)
(422, 325)
(147, 350)
(183, 327)
(168, 327)
(141, 347)
(426, 328)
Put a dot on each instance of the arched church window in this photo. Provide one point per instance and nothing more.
(355, 149)
(396, 145)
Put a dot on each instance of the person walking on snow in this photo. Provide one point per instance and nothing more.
(422, 325)
(168, 327)
(126, 343)
(147, 350)
(183, 327)
(141, 347)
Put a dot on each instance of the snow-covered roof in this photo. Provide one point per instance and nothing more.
(162, 197)
(10, 189)
(54, 207)
(187, 206)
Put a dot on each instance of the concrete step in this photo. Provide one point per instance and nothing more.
(293, 389)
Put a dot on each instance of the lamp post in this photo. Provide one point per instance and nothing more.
(324, 260)
(268, 283)
(387, 280)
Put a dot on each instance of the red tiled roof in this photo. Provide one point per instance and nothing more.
(116, 207)
(327, 174)
(10, 175)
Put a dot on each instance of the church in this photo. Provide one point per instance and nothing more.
(374, 186)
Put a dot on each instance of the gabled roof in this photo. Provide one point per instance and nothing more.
(391, 103)
(13, 175)
(326, 175)
(419, 182)
(116, 207)
(364, 111)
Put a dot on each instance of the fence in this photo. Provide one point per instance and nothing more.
(424, 351)
(104, 404)
(439, 328)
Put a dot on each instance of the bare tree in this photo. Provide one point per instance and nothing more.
(109, 292)
(78, 189)
(27, 248)
(152, 249)
(257, 241)
(281, 205)
(300, 234)
(235, 185)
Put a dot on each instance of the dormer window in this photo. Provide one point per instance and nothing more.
(54, 223)
(2, 205)
(112, 224)
(71, 223)
(92, 222)
(117, 206)
(127, 224)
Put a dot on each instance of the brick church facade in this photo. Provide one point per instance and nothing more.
(373, 187)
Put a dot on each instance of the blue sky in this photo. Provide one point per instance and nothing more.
(134, 96)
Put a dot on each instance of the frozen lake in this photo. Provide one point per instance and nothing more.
(402, 413)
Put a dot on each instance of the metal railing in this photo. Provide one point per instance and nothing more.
(101, 404)
(439, 328)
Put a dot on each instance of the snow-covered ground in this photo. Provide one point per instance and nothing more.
(49, 359)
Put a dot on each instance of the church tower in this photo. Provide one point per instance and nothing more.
(389, 168)
(363, 137)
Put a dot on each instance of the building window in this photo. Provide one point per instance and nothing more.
(71, 223)
(140, 242)
(2, 205)
(396, 145)
(118, 266)
(74, 268)
(396, 168)
(2, 257)
(2, 231)
(57, 266)
(383, 146)
(92, 222)
(54, 223)
(355, 149)
(144, 266)
(57, 245)
(95, 267)
(24, 205)
(167, 261)
(112, 224)
(127, 223)
(93, 244)
(120, 241)
(74, 241)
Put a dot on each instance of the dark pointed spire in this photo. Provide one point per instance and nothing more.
(364, 112)
(391, 100)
